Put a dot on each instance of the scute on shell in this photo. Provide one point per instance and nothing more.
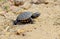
(24, 15)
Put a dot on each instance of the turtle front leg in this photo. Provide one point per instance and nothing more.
(31, 21)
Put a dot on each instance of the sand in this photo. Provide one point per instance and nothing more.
(46, 26)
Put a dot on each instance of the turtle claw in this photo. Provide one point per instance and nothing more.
(32, 22)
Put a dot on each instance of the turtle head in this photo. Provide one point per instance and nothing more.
(35, 15)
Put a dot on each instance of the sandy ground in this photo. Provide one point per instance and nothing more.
(46, 26)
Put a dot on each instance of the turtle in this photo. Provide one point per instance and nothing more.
(26, 17)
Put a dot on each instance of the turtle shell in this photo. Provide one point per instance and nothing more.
(24, 16)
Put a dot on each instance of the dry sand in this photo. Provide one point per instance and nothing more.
(46, 26)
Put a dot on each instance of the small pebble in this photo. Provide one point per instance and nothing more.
(17, 33)
(35, 28)
(23, 34)
(20, 31)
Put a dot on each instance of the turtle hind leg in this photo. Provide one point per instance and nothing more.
(15, 22)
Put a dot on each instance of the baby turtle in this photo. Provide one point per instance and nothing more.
(26, 17)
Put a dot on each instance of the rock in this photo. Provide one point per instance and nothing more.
(20, 31)
(27, 5)
(18, 2)
(37, 1)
